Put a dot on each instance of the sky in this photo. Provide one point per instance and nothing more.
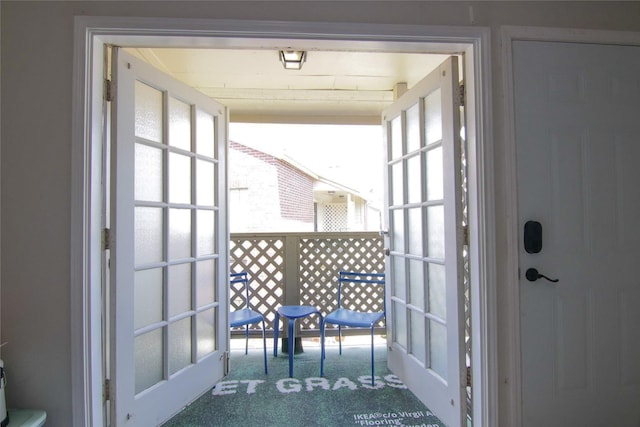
(348, 154)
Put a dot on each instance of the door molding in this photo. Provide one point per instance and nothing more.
(92, 34)
(511, 362)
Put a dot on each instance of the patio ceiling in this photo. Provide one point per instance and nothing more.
(331, 87)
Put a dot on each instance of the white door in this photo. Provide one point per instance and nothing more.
(423, 215)
(577, 134)
(169, 263)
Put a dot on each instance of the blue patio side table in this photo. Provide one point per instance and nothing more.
(292, 313)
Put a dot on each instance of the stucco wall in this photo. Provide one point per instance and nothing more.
(35, 193)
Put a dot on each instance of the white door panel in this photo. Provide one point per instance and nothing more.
(424, 218)
(169, 263)
(577, 141)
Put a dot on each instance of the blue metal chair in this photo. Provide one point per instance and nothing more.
(246, 316)
(352, 318)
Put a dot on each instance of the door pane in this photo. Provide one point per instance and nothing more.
(148, 297)
(179, 345)
(437, 291)
(179, 233)
(397, 182)
(179, 289)
(148, 235)
(206, 332)
(148, 359)
(399, 278)
(179, 124)
(205, 183)
(179, 178)
(400, 324)
(414, 179)
(413, 128)
(433, 117)
(148, 105)
(435, 232)
(205, 286)
(416, 283)
(435, 177)
(206, 232)
(414, 231)
(396, 138)
(205, 131)
(418, 335)
(397, 220)
(148, 174)
(438, 348)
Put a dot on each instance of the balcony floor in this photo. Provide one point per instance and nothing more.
(343, 397)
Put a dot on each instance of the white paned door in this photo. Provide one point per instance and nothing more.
(578, 146)
(169, 263)
(424, 300)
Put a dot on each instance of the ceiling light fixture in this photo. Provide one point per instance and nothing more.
(292, 59)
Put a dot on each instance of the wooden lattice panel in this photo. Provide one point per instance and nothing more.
(317, 258)
(335, 217)
(321, 259)
(263, 259)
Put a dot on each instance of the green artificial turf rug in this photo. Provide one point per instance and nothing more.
(343, 397)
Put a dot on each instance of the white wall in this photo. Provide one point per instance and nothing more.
(35, 143)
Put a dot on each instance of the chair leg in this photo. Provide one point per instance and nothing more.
(322, 348)
(264, 346)
(340, 338)
(372, 382)
(246, 339)
(290, 338)
(276, 329)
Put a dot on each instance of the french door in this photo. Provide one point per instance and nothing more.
(424, 217)
(169, 262)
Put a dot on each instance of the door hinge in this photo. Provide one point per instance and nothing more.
(461, 95)
(106, 239)
(469, 376)
(465, 235)
(108, 90)
(107, 390)
(227, 363)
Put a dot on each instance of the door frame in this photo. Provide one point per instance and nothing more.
(511, 363)
(92, 34)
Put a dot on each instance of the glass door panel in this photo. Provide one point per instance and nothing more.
(418, 336)
(423, 215)
(171, 252)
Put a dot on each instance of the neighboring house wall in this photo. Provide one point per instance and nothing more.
(296, 195)
(373, 219)
(267, 194)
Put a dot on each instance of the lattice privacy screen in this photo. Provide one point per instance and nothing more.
(318, 258)
(263, 259)
(320, 261)
(335, 217)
